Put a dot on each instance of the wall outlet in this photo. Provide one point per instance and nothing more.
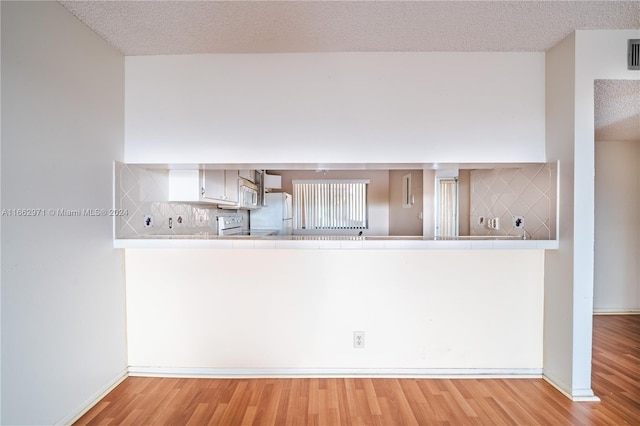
(518, 221)
(148, 221)
(358, 339)
(493, 223)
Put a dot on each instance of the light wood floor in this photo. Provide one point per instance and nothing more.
(616, 380)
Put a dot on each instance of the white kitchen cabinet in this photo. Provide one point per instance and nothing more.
(272, 181)
(213, 186)
(231, 186)
(249, 175)
(204, 186)
(220, 186)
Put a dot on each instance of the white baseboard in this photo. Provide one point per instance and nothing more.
(577, 395)
(616, 312)
(440, 373)
(93, 400)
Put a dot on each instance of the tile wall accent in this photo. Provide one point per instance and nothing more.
(141, 191)
(503, 193)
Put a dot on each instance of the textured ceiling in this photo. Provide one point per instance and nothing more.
(183, 27)
(617, 110)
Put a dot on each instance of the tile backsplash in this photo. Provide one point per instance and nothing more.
(529, 192)
(144, 192)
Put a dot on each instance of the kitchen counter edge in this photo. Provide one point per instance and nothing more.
(313, 244)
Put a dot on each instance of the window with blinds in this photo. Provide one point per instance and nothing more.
(330, 204)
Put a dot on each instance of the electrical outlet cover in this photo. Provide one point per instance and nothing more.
(148, 221)
(518, 221)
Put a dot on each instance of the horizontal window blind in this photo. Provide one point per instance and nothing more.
(330, 204)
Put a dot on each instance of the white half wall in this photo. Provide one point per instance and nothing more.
(335, 108)
(193, 309)
(63, 306)
(617, 227)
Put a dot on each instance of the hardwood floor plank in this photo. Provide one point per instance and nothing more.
(234, 408)
(417, 400)
(367, 401)
(200, 415)
(458, 400)
(216, 419)
(249, 415)
(273, 403)
(93, 413)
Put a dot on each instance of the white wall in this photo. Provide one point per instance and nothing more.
(572, 67)
(429, 202)
(202, 311)
(599, 55)
(558, 290)
(334, 107)
(63, 312)
(0, 220)
(617, 227)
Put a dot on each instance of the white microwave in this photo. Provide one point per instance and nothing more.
(248, 196)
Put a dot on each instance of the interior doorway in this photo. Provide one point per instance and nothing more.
(617, 196)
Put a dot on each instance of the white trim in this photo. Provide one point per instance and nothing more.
(440, 373)
(633, 311)
(586, 398)
(578, 395)
(75, 415)
(560, 387)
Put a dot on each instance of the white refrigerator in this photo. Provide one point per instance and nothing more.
(275, 215)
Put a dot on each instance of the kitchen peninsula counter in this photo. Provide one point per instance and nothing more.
(212, 241)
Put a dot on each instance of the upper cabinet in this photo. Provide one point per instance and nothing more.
(208, 186)
(220, 186)
(231, 186)
(213, 186)
(249, 175)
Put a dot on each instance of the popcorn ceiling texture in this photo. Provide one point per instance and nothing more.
(190, 27)
(617, 110)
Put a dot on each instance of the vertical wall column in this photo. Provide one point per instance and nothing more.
(572, 66)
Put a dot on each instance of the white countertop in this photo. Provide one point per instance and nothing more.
(332, 242)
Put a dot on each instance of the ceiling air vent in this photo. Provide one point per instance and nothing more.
(633, 55)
